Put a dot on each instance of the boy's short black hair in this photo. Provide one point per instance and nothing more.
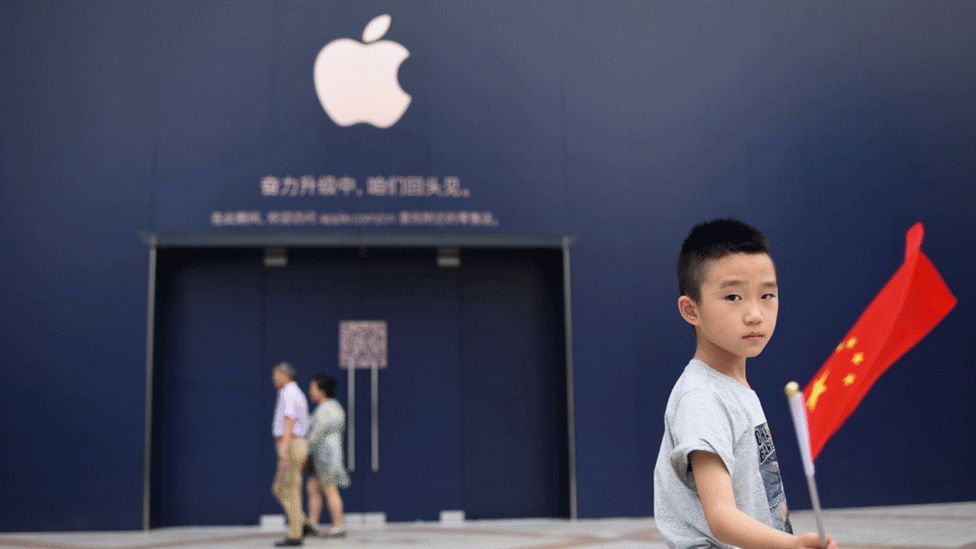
(714, 239)
(326, 383)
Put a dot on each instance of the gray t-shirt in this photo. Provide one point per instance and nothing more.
(712, 412)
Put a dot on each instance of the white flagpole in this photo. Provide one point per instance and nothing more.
(799, 413)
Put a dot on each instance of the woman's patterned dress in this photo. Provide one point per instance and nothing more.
(325, 430)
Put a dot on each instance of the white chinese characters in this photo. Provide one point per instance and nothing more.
(399, 186)
(313, 218)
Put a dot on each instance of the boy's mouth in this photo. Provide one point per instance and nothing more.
(753, 337)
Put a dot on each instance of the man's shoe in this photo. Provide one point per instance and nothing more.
(288, 542)
(309, 530)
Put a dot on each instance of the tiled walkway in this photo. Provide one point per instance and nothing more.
(916, 527)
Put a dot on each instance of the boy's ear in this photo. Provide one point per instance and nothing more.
(688, 309)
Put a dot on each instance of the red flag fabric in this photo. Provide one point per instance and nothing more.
(909, 305)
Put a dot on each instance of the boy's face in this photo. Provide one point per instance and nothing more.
(739, 304)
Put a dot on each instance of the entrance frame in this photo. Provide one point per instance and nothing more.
(155, 241)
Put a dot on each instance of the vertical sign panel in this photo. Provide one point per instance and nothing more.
(363, 344)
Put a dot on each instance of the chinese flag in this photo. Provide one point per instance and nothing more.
(911, 303)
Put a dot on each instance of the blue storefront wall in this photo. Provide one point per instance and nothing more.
(831, 127)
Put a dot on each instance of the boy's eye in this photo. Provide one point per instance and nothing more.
(733, 297)
(769, 296)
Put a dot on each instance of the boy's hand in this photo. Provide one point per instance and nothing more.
(727, 522)
(813, 540)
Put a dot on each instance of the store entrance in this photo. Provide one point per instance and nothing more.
(471, 407)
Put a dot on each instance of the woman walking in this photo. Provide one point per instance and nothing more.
(328, 471)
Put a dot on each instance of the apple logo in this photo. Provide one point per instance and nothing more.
(357, 81)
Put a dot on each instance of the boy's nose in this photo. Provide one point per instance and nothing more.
(753, 316)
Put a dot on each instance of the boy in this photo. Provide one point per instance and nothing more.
(717, 481)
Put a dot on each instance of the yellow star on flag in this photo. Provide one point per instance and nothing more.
(849, 380)
(819, 387)
(851, 343)
(858, 359)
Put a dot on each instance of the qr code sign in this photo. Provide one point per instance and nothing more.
(362, 343)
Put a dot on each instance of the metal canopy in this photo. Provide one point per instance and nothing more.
(342, 240)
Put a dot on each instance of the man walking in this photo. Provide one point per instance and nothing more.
(289, 428)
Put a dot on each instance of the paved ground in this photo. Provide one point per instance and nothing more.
(916, 527)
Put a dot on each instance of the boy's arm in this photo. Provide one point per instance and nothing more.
(728, 523)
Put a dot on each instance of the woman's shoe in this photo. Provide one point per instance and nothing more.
(333, 532)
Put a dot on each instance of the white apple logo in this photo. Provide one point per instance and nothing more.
(357, 82)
